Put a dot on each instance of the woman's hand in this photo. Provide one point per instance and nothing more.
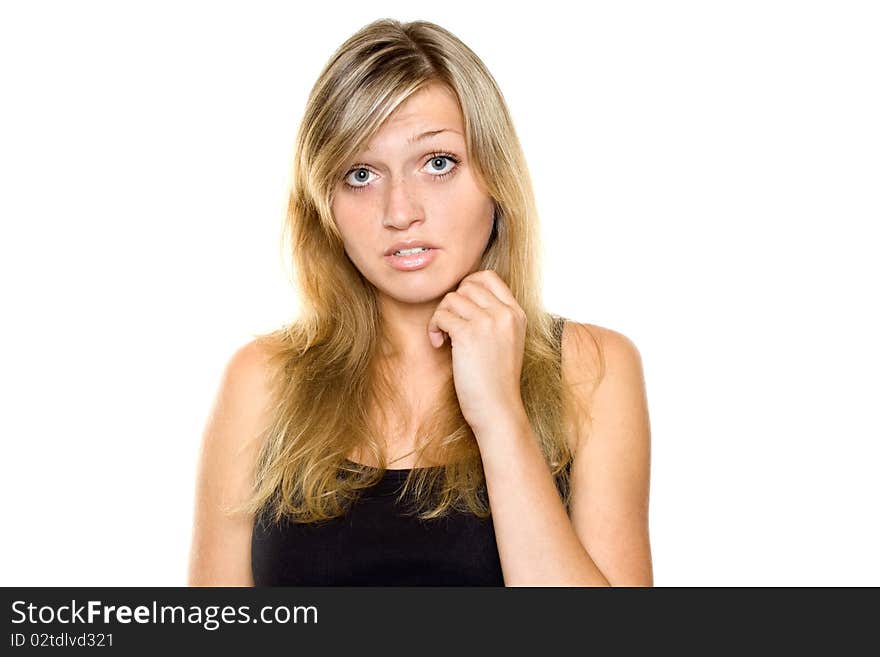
(487, 329)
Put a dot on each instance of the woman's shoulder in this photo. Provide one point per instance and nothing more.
(593, 355)
(248, 362)
(591, 348)
(244, 389)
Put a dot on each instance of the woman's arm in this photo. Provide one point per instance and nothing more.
(612, 470)
(220, 553)
(605, 540)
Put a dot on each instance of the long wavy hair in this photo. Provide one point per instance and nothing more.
(325, 366)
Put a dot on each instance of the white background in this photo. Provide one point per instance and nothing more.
(707, 175)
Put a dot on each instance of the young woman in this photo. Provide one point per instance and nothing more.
(520, 441)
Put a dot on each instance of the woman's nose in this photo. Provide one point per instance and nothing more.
(402, 206)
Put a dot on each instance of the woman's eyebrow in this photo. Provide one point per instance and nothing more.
(424, 135)
(429, 133)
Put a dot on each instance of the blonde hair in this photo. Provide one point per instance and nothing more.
(324, 366)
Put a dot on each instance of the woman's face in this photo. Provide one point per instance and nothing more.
(420, 190)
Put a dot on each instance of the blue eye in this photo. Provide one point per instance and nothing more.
(362, 171)
(440, 158)
(359, 171)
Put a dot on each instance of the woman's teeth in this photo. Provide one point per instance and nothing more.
(418, 249)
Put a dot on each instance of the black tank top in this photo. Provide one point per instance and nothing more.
(376, 544)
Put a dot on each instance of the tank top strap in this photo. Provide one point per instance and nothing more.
(558, 327)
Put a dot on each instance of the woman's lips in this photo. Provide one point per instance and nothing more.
(413, 261)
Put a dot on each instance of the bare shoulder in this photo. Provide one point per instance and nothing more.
(603, 369)
(220, 548)
(241, 408)
(589, 351)
(241, 400)
(622, 377)
(247, 370)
